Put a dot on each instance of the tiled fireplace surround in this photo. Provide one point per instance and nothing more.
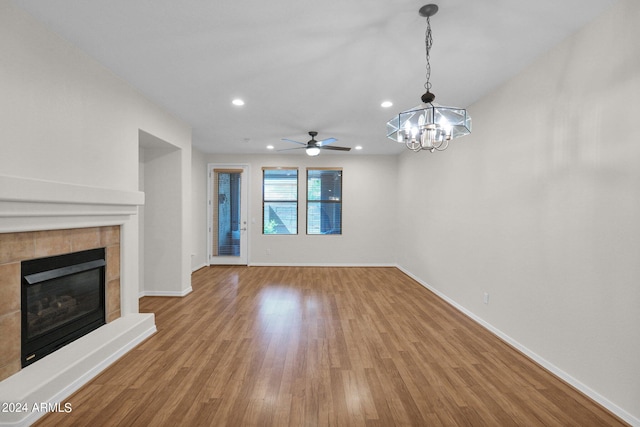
(42, 218)
(18, 247)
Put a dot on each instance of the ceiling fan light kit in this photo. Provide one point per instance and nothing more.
(312, 151)
(429, 126)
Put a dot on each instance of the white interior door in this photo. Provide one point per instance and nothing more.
(228, 213)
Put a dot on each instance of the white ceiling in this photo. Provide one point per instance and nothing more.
(308, 65)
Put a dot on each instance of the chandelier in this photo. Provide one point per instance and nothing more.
(429, 126)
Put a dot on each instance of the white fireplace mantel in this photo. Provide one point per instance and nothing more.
(33, 205)
(29, 204)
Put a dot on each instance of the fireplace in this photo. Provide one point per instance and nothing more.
(46, 219)
(63, 298)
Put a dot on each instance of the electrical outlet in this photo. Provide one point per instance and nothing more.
(486, 298)
(268, 251)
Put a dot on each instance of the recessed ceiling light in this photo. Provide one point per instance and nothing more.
(358, 147)
(270, 147)
(238, 102)
(386, 104)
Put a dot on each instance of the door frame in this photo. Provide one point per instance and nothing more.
(245, 186)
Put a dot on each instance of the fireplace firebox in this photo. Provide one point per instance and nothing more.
(63, 298)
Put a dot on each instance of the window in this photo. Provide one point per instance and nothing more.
(324, 201)
(279, 201)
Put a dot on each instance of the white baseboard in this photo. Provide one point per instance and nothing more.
(165, 293)
(198, 267)
(54, 378)
(612, 407)
(311, 264)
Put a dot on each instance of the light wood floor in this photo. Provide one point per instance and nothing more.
(282, 346)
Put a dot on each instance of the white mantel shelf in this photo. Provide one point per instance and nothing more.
(30, 204)
(33, 190)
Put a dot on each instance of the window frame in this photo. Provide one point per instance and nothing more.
(296, 201)
(322, 201)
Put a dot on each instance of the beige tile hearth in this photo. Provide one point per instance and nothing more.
(10, 349)
(9, 318)
(84, 238)
(109, 236)
(52, 242)
(21, 246)
(113, 262)
(16, 247)
(9, 288)
(113, 300)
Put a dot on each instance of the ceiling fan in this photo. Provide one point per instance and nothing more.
(313, 147)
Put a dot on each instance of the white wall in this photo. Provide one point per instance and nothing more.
(199, 210)
(59, 106)
(161, 219)
(539, 207)
(141, 246)
(369, 208)
(65, 118)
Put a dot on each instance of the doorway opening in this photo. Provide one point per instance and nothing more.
(228, 186)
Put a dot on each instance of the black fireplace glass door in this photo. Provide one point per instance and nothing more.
(60, 301)
(63, 298)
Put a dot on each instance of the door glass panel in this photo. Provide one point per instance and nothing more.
(228, 214)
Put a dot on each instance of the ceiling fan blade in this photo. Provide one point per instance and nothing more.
(331, 147)
(295, 142)
(326, 141)
(295, 148)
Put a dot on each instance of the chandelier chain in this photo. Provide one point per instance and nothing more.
(428, 41)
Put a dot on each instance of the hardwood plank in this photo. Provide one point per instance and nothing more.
(312, 346)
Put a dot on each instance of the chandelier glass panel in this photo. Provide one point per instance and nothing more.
(429, 126)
